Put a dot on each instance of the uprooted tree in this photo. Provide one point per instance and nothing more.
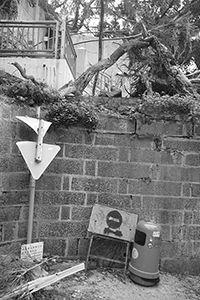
(155, 69)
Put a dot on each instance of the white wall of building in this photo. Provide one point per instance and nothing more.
(87, 55)
(28, 13)
(54, 72)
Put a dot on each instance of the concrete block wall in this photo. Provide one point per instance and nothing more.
(156, 175)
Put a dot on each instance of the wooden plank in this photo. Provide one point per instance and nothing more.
(113, 222)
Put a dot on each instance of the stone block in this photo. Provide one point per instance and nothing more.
(47, 212)
(5, 145)
(70, 135)
(65, 184)
(166, 232)
(196, 249)
(15, 181)
(91, 198)
(159, 188)
(67, 166)
(10, 231)
(186, 189)
(196, 217)
(59, 198)
(49, 182)
(115, 200)
(14, 197)
(187, 217)
(54, 247)
(191, 174)
(181, 266)
(182, 145)
(71, 247)
(90, 168)
(94, 184)
(91, 152)
(192, 160)
(191, 232)
(123, 170)
(104, 140)
(12, 164)
(168, 173)
(63, 229)
(81, 213)
(23, 229)
(65, 212)
(123, 186)
(132, 141)
(195, 190)
(112, 124)
(124, 154)
(83, 247)
(10, 213)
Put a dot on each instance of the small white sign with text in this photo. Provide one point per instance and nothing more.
(33, 251)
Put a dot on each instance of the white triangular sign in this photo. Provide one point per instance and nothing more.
(34, 123)
(27, 150)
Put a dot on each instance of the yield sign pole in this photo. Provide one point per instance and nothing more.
(32, 197)
(37, 163)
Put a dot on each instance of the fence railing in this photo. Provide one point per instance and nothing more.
(37, 39)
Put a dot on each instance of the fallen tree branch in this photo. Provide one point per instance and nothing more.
(40, 283)
(77, 87)
(24, 75)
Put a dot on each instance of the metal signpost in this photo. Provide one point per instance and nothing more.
(37, 156)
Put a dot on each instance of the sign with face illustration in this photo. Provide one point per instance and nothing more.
(112, 222)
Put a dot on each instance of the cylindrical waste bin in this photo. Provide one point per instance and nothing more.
(146, 254)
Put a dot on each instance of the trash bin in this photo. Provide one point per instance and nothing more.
(143, 268)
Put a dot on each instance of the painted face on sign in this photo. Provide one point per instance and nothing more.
(114, 219)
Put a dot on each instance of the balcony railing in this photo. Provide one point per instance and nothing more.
(37, 39)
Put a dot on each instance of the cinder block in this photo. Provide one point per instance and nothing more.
(94, 184)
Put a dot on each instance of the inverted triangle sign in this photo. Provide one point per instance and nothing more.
(27, 150)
